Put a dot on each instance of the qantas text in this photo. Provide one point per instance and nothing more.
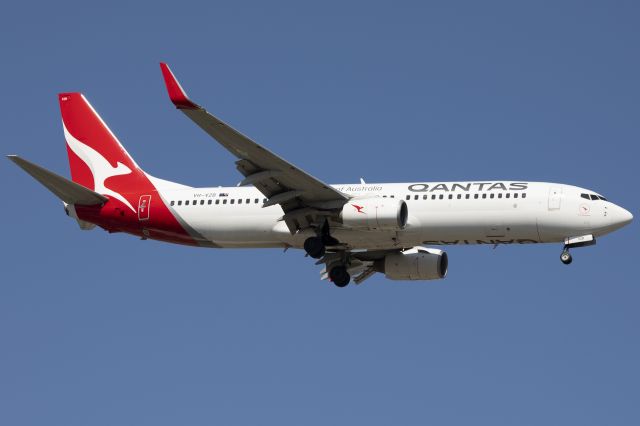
(479, 186)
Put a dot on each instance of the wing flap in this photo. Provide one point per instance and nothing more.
(63, 188)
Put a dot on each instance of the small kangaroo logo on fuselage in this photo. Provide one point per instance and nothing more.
(358, 208)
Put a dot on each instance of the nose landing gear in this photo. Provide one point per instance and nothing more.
(565, 257)
(571, 242)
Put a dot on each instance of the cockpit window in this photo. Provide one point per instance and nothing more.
(593, 197)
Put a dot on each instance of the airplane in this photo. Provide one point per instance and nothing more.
(354, 230)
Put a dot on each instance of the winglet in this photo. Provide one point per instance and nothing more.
(176, 93)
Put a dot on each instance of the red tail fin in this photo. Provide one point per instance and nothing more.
(96, 158)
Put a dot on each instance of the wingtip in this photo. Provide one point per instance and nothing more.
(176, 93)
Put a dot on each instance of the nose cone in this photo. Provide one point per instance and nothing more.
(621, 217)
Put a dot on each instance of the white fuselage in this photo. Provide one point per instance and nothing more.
(485, 212)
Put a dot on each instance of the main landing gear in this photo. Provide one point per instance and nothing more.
(339, 276)
(316, 246)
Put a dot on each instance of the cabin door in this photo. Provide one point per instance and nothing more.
(555, 197)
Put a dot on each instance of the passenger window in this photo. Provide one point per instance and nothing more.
(484, 195)
(232, 201)
(450, 196)
(507, 195)
(248, 200)
(441, 196)
(492, 195)
(515, 195)
(433, 197)
(240, 201)
(202, 202)
(264, 200)
(180, 202)
(467, 196)
(224, 201)
(186, 203)
(459, 196)
(217, 201)
(500, 195)
(425, 197)
(585, 196)
(172, 203)
(416, 197)
(408, 197)
(524, 195)
(257, 200)
(475, 196)
(209, 202)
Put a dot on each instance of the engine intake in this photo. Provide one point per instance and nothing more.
(418, 263)
(375, 213)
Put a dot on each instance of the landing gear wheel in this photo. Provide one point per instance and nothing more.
(314, 247)
(565, 257)
(339, 276)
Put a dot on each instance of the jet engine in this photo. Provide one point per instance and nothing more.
(375, 213)
(418, 263)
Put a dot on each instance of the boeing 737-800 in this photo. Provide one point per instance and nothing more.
(355, 230)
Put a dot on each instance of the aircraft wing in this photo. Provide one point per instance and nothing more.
(300, 195)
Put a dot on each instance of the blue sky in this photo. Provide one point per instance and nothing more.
(107, 329)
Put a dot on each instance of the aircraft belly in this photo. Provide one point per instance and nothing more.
(473, 227)
(423, 228)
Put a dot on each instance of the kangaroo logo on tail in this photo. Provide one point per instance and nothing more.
(100, 168)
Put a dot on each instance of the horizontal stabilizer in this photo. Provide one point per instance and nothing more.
(68, 191)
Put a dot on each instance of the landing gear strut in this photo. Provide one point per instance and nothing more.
(339, 276)
(565, 257)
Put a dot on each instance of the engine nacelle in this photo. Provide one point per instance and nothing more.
(419, 263)
(375, 213)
